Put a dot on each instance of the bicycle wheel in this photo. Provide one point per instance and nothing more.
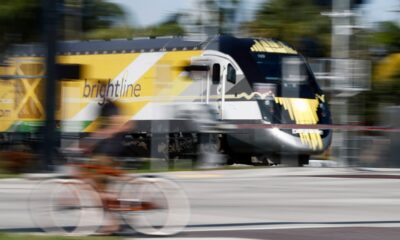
(67, 207)
(156, 206)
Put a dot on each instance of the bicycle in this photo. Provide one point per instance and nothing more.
(148, 204)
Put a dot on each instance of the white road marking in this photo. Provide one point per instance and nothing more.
(200, 238)
(288, 226)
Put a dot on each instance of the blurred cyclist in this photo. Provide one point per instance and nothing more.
(106, 143)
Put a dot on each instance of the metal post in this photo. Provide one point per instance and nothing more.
(342, 51)
(50, 33)
(341, 31)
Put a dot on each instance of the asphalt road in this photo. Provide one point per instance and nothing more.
(268, 203)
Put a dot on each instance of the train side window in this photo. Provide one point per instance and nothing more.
(216, 73)
(231, 74)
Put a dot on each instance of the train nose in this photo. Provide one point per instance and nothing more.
(308, 141)
(311, 138)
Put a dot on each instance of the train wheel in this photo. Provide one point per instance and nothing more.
(210, 151)
(274, 159)
(239, 158)
(263, 160)
(303, 160)
(230, 160)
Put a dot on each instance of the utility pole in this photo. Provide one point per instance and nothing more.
(340, 53)
(50, 14)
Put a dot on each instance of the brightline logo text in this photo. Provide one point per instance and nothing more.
(117, 89)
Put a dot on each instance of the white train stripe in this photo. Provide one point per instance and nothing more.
(133, 72)
(241, 110)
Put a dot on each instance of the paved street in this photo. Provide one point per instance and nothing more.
(267, 203)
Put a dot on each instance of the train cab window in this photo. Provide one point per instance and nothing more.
(293, 69)
(216, 73)
(231, 74)
(282, 67)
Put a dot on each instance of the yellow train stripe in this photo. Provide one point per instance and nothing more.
(271, 46)
(303, 111)
(160, 81)
(93, 68)
(28, 104)
(173, 62)
(7, 104)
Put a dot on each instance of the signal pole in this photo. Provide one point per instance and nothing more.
(50, 39)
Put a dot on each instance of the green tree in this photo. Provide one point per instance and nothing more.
(386, 75)
(100, 14)
(170, 27)
(20, 20)
(387, 36)
(292, 21)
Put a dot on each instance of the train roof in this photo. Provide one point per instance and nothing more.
(109, 46)
(227, 44)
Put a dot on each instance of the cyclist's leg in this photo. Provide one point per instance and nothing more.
(103, 183)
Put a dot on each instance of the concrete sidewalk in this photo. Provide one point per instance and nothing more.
(233, 172)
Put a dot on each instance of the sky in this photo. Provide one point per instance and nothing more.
(381, 10)
(149, 12)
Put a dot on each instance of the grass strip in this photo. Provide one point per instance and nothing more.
(9, 236)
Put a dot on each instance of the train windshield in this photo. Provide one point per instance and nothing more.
(282, 67)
